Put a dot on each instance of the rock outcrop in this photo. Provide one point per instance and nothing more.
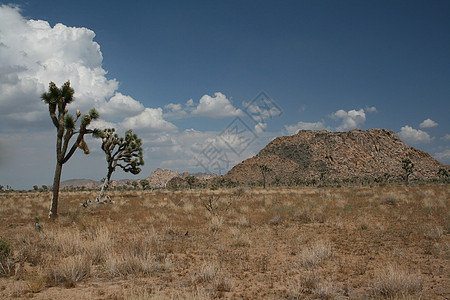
(160, 177)
(323, 155)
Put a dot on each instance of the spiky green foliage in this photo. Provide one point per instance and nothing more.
(93, 113)
(124, 152)
(98, 133)
(69, 122)
(57, 100)
(5, 251)
(56, 95)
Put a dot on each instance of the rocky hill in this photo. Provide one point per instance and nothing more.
(323, 155)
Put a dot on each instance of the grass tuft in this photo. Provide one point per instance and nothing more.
(395, 282)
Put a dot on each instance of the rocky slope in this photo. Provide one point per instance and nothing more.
(323, 155)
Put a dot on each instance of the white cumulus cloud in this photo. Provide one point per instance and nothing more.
(33, 53)
(120, 106)
(414, 136)
(371, 109)
(260, 127)
(175, 111)
(190, 102)
(150, 119)
(216, 107)
(446, 137)
(428, 123)
(102, 124)
(351, 119)
(443, 156)
(293, 129)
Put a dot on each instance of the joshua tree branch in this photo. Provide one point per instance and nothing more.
(74, 146)
(52, 110)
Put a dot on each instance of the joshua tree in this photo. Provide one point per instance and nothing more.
(191, 181)
(408, 166)
(145, 184)
(134, 184)
(125, 153)
(443, 174)
(264, 170)
(57, 100)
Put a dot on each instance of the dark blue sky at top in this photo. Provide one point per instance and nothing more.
(322, 55)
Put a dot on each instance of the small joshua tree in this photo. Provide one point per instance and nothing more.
(144, 184)
(265, 169)
(191, 181)
(125, 153)
(408, 166)
(443, 174)
(57, 100)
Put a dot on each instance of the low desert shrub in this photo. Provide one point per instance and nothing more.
(390, 201)
(315, 254)
(326, 291)
(36, 281)
(5, 250)
(434, 233)
(70, 269)
(298, 288)
(30, 246)
(215, 224)
(275, 220)
(394, 282)
(223, 284)
(208, 271)
(99, 244)
(6, 262)
(135, 256)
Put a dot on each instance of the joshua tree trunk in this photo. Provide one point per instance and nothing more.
(264, 180)
(105, 184)
(54, 206)
(59, 163)
(104, 187)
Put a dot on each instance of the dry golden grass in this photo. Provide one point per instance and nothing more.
(393, 282)
(304, 243)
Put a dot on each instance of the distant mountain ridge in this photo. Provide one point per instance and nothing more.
(88, 183)
(157, 179)
(310, 155)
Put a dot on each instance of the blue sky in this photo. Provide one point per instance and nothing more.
(179, 73)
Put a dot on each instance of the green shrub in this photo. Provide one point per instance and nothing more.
(5, 250)
(6, 263)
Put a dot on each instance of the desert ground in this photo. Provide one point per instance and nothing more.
(388, 242)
